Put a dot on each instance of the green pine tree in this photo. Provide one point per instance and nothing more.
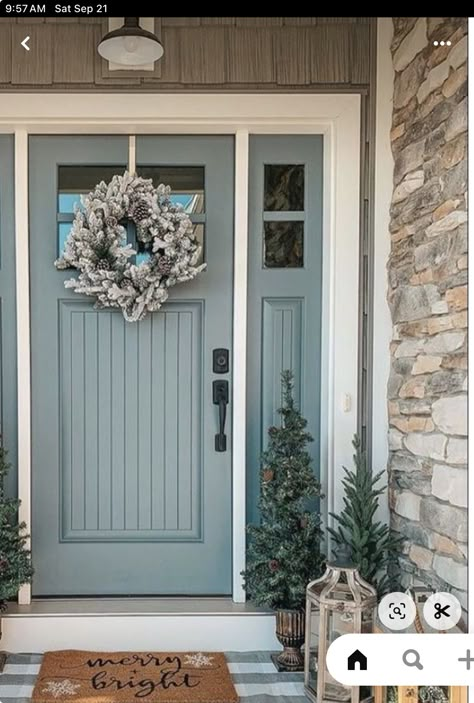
(372, 545)
(15, 562)
(284, 550)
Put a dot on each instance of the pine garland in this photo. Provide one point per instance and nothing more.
(97, 248)
(284, 550)
(15, 562)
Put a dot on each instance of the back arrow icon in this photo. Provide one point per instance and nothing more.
(24, 43)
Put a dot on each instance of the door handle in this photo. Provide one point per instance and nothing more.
(220, 397)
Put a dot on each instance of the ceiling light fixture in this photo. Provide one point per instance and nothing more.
(131, 45)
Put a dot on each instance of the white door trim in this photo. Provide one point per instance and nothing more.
(22, 256)
(239, 355)
(337, 118)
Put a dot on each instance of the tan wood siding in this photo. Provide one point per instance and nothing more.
(34, 66)
(201, 53)
(81, 70)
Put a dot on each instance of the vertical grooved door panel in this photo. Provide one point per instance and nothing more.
(129, 494)
(91, 485)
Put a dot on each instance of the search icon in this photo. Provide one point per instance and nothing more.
(412, 658)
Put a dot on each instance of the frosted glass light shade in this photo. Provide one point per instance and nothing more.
(130, 45)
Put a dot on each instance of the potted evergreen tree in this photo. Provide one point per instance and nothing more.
(15, 561)
(284, 552)
(371, 545)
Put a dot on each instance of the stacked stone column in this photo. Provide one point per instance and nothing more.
(427, 274)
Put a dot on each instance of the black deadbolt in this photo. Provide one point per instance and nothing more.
(220, 361)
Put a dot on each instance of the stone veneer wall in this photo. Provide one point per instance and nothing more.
(428, 299)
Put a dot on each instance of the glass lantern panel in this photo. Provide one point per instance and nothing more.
(313, 639)
(337, 624)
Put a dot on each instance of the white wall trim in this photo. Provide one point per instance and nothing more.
(382, 198)
(337, 118)
(23, 335)
(340, 299)
(328, 331)
(239, 356)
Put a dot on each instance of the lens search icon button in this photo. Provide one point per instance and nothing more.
(412, 658)
(397, 611)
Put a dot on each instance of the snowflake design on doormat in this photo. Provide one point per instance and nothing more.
(198, 660)
(61, 688)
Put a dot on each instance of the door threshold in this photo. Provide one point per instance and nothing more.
(106, 606)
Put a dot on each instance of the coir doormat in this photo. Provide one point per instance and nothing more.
(126, 677)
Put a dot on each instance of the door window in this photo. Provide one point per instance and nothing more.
(187, 185)
(74, 181)
(186, 182)
(283, 215)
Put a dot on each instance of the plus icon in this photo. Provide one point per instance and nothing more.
(467, 659)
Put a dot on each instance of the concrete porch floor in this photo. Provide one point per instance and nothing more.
(253, 674)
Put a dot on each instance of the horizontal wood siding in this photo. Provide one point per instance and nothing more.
(201, 53)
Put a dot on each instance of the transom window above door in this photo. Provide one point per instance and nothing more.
(187, 185)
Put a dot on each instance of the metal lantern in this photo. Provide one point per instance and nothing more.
(338, 603)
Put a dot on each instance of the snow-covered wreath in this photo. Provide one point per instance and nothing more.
(97, 247)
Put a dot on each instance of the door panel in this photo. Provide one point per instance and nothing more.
(284, 311)
(152, 370)
(8, 350)
(129, 495)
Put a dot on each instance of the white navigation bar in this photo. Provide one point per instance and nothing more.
(402, 659)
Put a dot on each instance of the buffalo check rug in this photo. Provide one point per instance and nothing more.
(253, 674)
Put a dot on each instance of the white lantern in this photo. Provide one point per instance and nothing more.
(338, 603)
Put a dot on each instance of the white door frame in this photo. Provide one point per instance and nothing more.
(337, 118)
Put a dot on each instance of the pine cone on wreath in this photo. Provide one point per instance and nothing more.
(165, 264)
(141, 211)
(103, 265)
(111, 221)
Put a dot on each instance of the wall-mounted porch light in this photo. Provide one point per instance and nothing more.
(130, 45)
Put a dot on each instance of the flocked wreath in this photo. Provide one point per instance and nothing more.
(96, 246)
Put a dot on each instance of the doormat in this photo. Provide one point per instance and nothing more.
(126, 677)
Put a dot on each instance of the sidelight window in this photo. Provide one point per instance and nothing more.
(283, 215)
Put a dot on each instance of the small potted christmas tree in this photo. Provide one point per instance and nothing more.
(372, 546)
(284, 550)
(15, 561)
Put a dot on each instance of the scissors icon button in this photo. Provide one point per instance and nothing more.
(442, 611)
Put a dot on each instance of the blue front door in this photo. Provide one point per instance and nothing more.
(129, 493)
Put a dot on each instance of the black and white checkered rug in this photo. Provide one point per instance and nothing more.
(253, 674)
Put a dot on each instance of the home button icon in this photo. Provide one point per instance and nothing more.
(357, 658)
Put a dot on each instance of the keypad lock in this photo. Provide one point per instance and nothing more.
(220, 361)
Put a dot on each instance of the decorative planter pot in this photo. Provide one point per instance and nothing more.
(290, 632)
